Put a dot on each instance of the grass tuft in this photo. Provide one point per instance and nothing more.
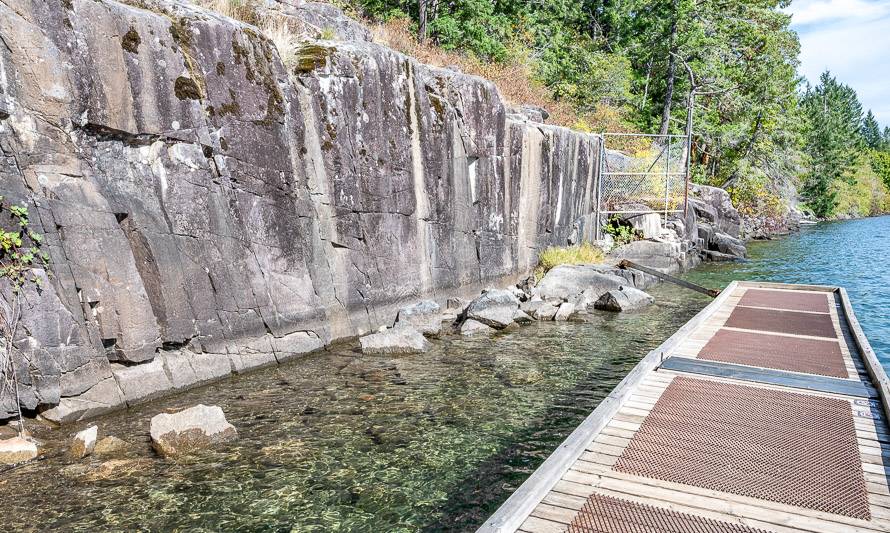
(582, 254)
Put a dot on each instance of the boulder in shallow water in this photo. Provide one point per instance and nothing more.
(565, 311)
(397, 340)
(194, 428)
(495, 308)
(17, 450)
(425, 317)
(729, 245)
(545, 312)
(521, 318)
(566, 281)
(624, 299)
(473, 327)
(84, 442)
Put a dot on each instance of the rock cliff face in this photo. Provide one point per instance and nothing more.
(209, 209)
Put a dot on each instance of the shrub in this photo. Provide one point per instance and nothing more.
(622, 233)
(582, 254)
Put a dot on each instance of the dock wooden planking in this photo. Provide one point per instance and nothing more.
(603, 458)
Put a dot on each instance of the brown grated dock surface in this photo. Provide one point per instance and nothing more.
(605, 514)
(790, 322)
(812, 356)
(787, 300)
(796, 449)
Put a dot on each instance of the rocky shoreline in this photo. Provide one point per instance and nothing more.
(193, 235)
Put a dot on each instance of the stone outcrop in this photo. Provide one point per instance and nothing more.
(565, 281)
(495, 308)
(209, 209)
(624, 299)
(473, 327)
(191, 429)
(425, 317)
(398, 340)
(717, 222)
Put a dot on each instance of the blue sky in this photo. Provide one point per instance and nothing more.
(851, 38)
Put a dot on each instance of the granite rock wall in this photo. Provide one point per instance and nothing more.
(209, 209)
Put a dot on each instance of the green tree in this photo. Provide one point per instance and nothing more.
(833, 140)
(871, 131)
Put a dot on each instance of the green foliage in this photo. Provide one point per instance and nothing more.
(864, 194)
(834, 142)
(582, 254)
(20, 252)
(628, 60)
(880, 163)
(621, 232)
(871, 131)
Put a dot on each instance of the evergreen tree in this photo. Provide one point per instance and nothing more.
(871, 131)
(834, 141)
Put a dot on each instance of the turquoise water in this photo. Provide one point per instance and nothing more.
(854, 254)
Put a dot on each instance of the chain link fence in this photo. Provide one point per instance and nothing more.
(649, 174)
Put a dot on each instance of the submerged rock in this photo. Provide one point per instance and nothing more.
(474, 327)
(624, 299)
(17, 450)
(84, 442)
(111, 446)
(398, 340)
(194, 428)
(425, 317)
(495, 308)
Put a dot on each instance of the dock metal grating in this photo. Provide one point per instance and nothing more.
(605, 514)
(786, 300)
(796, 449)
(788, 322)
(795, 354)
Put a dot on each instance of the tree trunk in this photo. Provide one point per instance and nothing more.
(421, 24)
(669, 76)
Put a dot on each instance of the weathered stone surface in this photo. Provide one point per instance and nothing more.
(712, 255)
(256, 227)
(521, 318)
(646, 221)
(728, 245)
(495, 308)
(84, 442)
(545, 312)
(715, 206)
(565, 311)
(186, 369)
(586, 299)
(191, 429)
(566, 281)
(473, 327)
(397, 340)
(17, 450)
(425, 317)
(101, 398)
(666, 256)
(111, 445)
(624, 299)
(142, 382)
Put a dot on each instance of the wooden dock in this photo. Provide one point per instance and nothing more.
(764, 413)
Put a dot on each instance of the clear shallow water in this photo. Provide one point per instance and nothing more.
(854, 254)
(433, 442)
(343, 442)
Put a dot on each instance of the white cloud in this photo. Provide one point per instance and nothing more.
(851, 38)
(818, 11)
